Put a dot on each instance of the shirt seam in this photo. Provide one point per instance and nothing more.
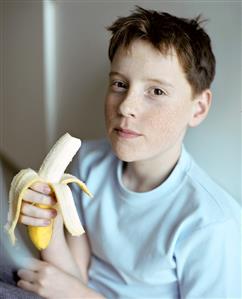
(213, 224)
(205, 189)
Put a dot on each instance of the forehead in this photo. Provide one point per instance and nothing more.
(142, 59)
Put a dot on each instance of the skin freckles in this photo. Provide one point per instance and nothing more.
(149, 94)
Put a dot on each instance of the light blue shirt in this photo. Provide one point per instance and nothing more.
(179, 240)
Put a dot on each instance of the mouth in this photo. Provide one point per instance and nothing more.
(127, 133)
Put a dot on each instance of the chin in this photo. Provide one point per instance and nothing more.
(125, 157)
(124, 152)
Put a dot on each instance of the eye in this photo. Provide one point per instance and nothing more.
(118, 86)
(157, 92)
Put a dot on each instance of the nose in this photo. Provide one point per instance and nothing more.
(128, 107)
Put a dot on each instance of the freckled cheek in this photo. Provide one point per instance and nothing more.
(162, 124)
(157, 120)
(110, 110)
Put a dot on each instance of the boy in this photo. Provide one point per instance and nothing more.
(158, 226)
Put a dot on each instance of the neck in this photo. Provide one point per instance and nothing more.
(145, 175)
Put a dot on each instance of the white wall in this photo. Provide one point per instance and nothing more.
(81, 68)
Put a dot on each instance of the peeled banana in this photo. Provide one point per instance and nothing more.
(52, 173)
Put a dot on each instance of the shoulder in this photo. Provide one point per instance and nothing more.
(205, 202)
(90, 154)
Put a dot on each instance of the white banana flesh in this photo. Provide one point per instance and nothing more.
(52, 173)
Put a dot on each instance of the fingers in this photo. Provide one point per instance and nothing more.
(27, 279)
(33, 277)
(32, 215)
(27, 275)
(32, 264)
(39, 193)
(34, 221)
(33, 211)
(26, 285)
(36, 197)
(41, 187)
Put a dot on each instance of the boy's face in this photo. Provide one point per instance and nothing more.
(148, 103)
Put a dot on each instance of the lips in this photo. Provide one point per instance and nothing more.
(127, 133)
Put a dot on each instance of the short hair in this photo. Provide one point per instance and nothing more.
(166, 32)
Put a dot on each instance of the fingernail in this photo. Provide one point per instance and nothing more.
(47, 189)
(54, 201)
(53, 213)
(47, 222)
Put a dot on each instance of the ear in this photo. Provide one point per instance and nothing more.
(201, 106)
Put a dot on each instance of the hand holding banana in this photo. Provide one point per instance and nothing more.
(38, 194)
(32, 195)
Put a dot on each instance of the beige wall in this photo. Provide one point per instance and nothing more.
(80, 76)
(22, 108)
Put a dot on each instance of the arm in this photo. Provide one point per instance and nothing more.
(57, 253)
(63, 271)
(209, 262)
(50, 282)
(80, 250)
(73, 252)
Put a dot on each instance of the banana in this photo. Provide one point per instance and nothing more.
(52, 173)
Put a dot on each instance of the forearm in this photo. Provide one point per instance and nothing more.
(59, 255)
(48, 281)
(78, 289)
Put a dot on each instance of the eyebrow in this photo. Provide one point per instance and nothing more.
(162, 82)
(115, 73)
